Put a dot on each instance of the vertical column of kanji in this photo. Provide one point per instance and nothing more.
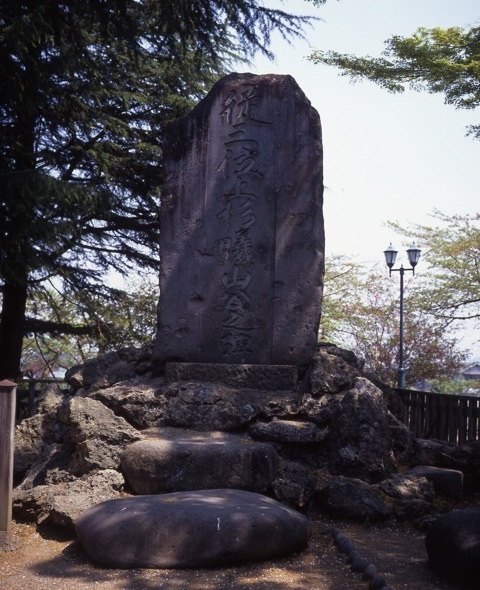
(242, 214)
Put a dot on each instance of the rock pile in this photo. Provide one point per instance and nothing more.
(332, 442)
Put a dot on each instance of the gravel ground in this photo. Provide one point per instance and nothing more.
(48, 559)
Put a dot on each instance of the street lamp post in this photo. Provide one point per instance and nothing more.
(413, 257)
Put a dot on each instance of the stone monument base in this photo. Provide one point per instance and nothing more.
(261, 377)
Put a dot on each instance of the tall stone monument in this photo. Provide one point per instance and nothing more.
(242, 236)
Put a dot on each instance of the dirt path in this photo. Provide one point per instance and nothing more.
(47, 560)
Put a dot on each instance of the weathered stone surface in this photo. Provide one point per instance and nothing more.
(110, 368)
(63, 503)
(259, 377)
(359, 439)
(50, 396)
(288, 431)
(446, 481)
(402, 440)
(177, 460)
(407, 487)
(465, 457)
(352, 498)
(210, 406)
(294, 485)
(394, 401)
(333, 369)
(410, 496)
(320, 409)
(242, 235)
(51, 467)
(433, 452)
(335, 433)
(453, 547)
(99, 437)
(140, 400)
(33, 437)
(190, 529)
(412, 508)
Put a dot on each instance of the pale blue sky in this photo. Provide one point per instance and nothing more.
(387, 156)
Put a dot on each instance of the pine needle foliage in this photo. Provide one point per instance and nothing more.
(87, 88)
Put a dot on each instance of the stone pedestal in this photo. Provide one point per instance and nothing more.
(258, 377)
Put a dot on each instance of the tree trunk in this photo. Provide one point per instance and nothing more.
(16, 238)
(12, 322)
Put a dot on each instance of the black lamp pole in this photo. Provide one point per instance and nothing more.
(390, 256)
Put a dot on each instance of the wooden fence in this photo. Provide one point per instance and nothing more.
(452, 418)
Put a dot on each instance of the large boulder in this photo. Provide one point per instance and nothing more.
(178, 460)
(213, 406)
(411, 496)
(33, 439)
(190, 529)
(402, 440)
(294, 485)
(445, 481)
(35, 435)
(453, 547)
(140, 400)
(333, 369)
(110, 368)
(404, 486)
(352, 498)
(98, 436)
(64, 502)
(358, 444)
(69, 460)
(464, 457)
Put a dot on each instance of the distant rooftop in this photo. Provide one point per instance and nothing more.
(471, 372)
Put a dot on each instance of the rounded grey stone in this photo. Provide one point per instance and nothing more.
(358, 563)
(446, 481)
(453, 546)
(370, 572)
(190, 529)
(182, 461)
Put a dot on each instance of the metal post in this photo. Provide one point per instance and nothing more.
(401, 368)
(390, 257)
(7, 428)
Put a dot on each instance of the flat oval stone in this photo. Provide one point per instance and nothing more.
(190, 529)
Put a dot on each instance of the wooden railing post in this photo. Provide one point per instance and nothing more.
(7, 427)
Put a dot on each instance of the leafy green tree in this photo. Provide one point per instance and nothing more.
(88, 87)
(361, 312)
(83, 325)
(445, 61)
(450, 289)
(455, 386)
